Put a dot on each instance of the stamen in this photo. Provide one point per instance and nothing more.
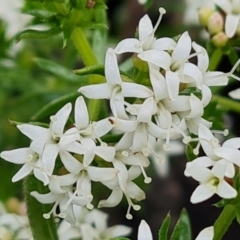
(125, 153)
(162, 11)
(225, 132)
(146, 178)
(196, 149)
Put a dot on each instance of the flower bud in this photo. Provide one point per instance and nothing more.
(139, 64)
(220, 39)
(204, 14)
(5, 233)
(215, 23)
(13, 205)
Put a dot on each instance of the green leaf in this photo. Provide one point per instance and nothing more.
(238, 213)
(163, 231)
(41, 228)
(182, 230)
(57, 70)
(54, 106)
(29, 33)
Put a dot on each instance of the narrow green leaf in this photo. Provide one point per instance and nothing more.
(163, 231)
(54, 106)
(29, 33)
(238, 213)
(57, 70)
(182, 230)
(41, 228)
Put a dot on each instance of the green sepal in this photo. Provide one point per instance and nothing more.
(58, 70)
(95, 69)
(189, 151)
(163, 231)
(54, 106)
(222, 203)
(182, 229)
(29, 33)
(47, 1)
(15, 123)
(41, 228)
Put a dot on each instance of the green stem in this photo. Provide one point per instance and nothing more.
(215, 59)
(230, 104)
(41, 228)
(224, 221)
(89, 59)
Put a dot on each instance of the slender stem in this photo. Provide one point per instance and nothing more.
(215, 59)
(89, 59)
(41, 228)
(228, 103)
(224, 221)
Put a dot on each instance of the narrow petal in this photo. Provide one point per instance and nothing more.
(167, 44)
(125, 126)
(219, 169)
(128, 45)
(113, 200)
(118, 231)
(182, 49)
(215, 79)
(199, 173)
(49, 157)
(25, 170)
(194, 74)
(144, 231)
(145, 27)
(232, 143)
(81, 113)
(160, 58)
(60, 118)
(89, 151)
(70, 162)
(106, 153)
(202, 193)
(97, 91)
(101, 174)
(231, 24)
(17, 156)
(235, 94)
(225, 5)
(135, 90)
(196, 107)
(102, 127)
(111, 68)
(206, 234)
(74, 147)
(45, 198)
(225, 190)
(135, 192)
(203, 59)
(173, 81)
(146, 111)
(232, 155)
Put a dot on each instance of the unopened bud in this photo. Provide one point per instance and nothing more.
(204, 14)
(215, 23)
(5, 233)
(13, 205)
(220, 39)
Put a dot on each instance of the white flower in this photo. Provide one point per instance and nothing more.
(211, 182)
(235, 94)
(115, 89)
(206, 234)
(144, 231)
(232, 10)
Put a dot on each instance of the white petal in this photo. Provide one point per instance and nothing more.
(74, 147)
(182, 49)
(173, 81)
(81, 113)
(117, 231)
(158, 83)
(45, 198)
(140, 138)
(192, 71)
(203, 59)
(101, 174)
(70, 162)
(206, 234)
(206, 95)
(225, 190)
(219, 169)
(215, 79)
(232, 143)
(146, 111)
(106, 153)
(135, 90)
(225, 5)
(125, 142)
(232, 155)
(17, 156)
(145, 27)
(54, 185)
(125, 125)
(59, 120)
(135, 192)
(202, 193)
(231, 24)
(49, 157)
(196, 107)
(235, 94)
(199, 173)
(113, 200)
(22, 173)
(111, 68)
(33, 131)
(144, 231)
(164, 44)
(160, 58)
(128, 45)
(97, 91)
(181, 104)
(89, 151)
(102, 127)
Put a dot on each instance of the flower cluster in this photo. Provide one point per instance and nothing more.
(168, 104)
